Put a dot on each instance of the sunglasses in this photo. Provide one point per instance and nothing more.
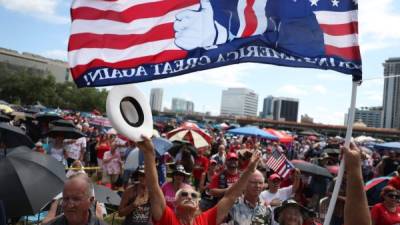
(393, 196)
(185, 194)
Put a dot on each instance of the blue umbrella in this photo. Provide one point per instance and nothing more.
(252, 131)
(161, 145)
(389, 146)
(135, 158)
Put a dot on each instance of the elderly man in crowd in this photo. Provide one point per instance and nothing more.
(77, 200)
(250, 208)
(187, 199)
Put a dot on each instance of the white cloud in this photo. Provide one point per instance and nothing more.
(41, 9)
(378, 24)
(56, 54)
(292, 90)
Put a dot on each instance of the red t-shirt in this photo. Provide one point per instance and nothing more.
(230, 179)
(395, 182)
(200, 166)
(101, 149)
(382, 216)
(208, 217)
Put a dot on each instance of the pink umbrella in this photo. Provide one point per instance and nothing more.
(194, 135)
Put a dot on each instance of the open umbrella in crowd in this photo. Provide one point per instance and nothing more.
(311, 168)
(253, 132)
(29, 180)
(12, 136)
(65, 132)
(198, 137)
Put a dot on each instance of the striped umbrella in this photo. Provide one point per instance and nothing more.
(374, 187)
(194, 135)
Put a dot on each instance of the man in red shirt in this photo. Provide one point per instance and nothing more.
(187, 199)
(200, 166)
(222, 181)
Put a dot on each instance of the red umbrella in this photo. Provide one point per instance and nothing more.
(283, 136)
(194, 135)
(190, 125)
(374, 187)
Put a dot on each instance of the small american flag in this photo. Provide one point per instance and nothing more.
(279, 163)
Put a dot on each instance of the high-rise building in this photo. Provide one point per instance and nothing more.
(57, 68)
(182, 105)
(156, 97)
(285, 109)
(239, 102)
(370, 116)
(189, 107)
(391, 93)
(268, 107)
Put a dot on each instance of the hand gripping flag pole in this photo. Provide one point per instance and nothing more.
(349, 131)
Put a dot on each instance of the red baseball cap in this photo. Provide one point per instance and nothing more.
(274, 177)
(231, 155)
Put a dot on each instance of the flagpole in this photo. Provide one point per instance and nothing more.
(349, 131)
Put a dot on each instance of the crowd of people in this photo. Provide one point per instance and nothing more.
(227, 182)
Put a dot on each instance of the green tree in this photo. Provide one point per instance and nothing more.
(25, 86)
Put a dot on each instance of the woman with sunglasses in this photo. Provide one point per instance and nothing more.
(135, 203)
(388, 211)
(187, 210)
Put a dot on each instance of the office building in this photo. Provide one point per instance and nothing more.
(391, 93)
(182, 106)
(59, 69)
(371, 116)
(268, 107)
(156, 99)
(285, 109)
(239, 102)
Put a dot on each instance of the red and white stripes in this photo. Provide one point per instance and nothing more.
(123, 33)
(252, 17)
(340, 33)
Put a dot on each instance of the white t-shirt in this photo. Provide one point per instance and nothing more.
(74, 149)
(282, 194)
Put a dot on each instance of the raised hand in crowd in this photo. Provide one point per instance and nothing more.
(356, 197)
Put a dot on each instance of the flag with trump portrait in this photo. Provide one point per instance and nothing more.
(123, 41)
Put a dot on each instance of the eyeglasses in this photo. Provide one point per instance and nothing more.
(393, 196)
(185, 194)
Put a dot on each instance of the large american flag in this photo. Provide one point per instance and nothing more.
(278, 162)
(129, 33)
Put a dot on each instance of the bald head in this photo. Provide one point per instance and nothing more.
(255, 184)
(81, 180)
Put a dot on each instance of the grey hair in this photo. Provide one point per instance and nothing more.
(90, 188)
